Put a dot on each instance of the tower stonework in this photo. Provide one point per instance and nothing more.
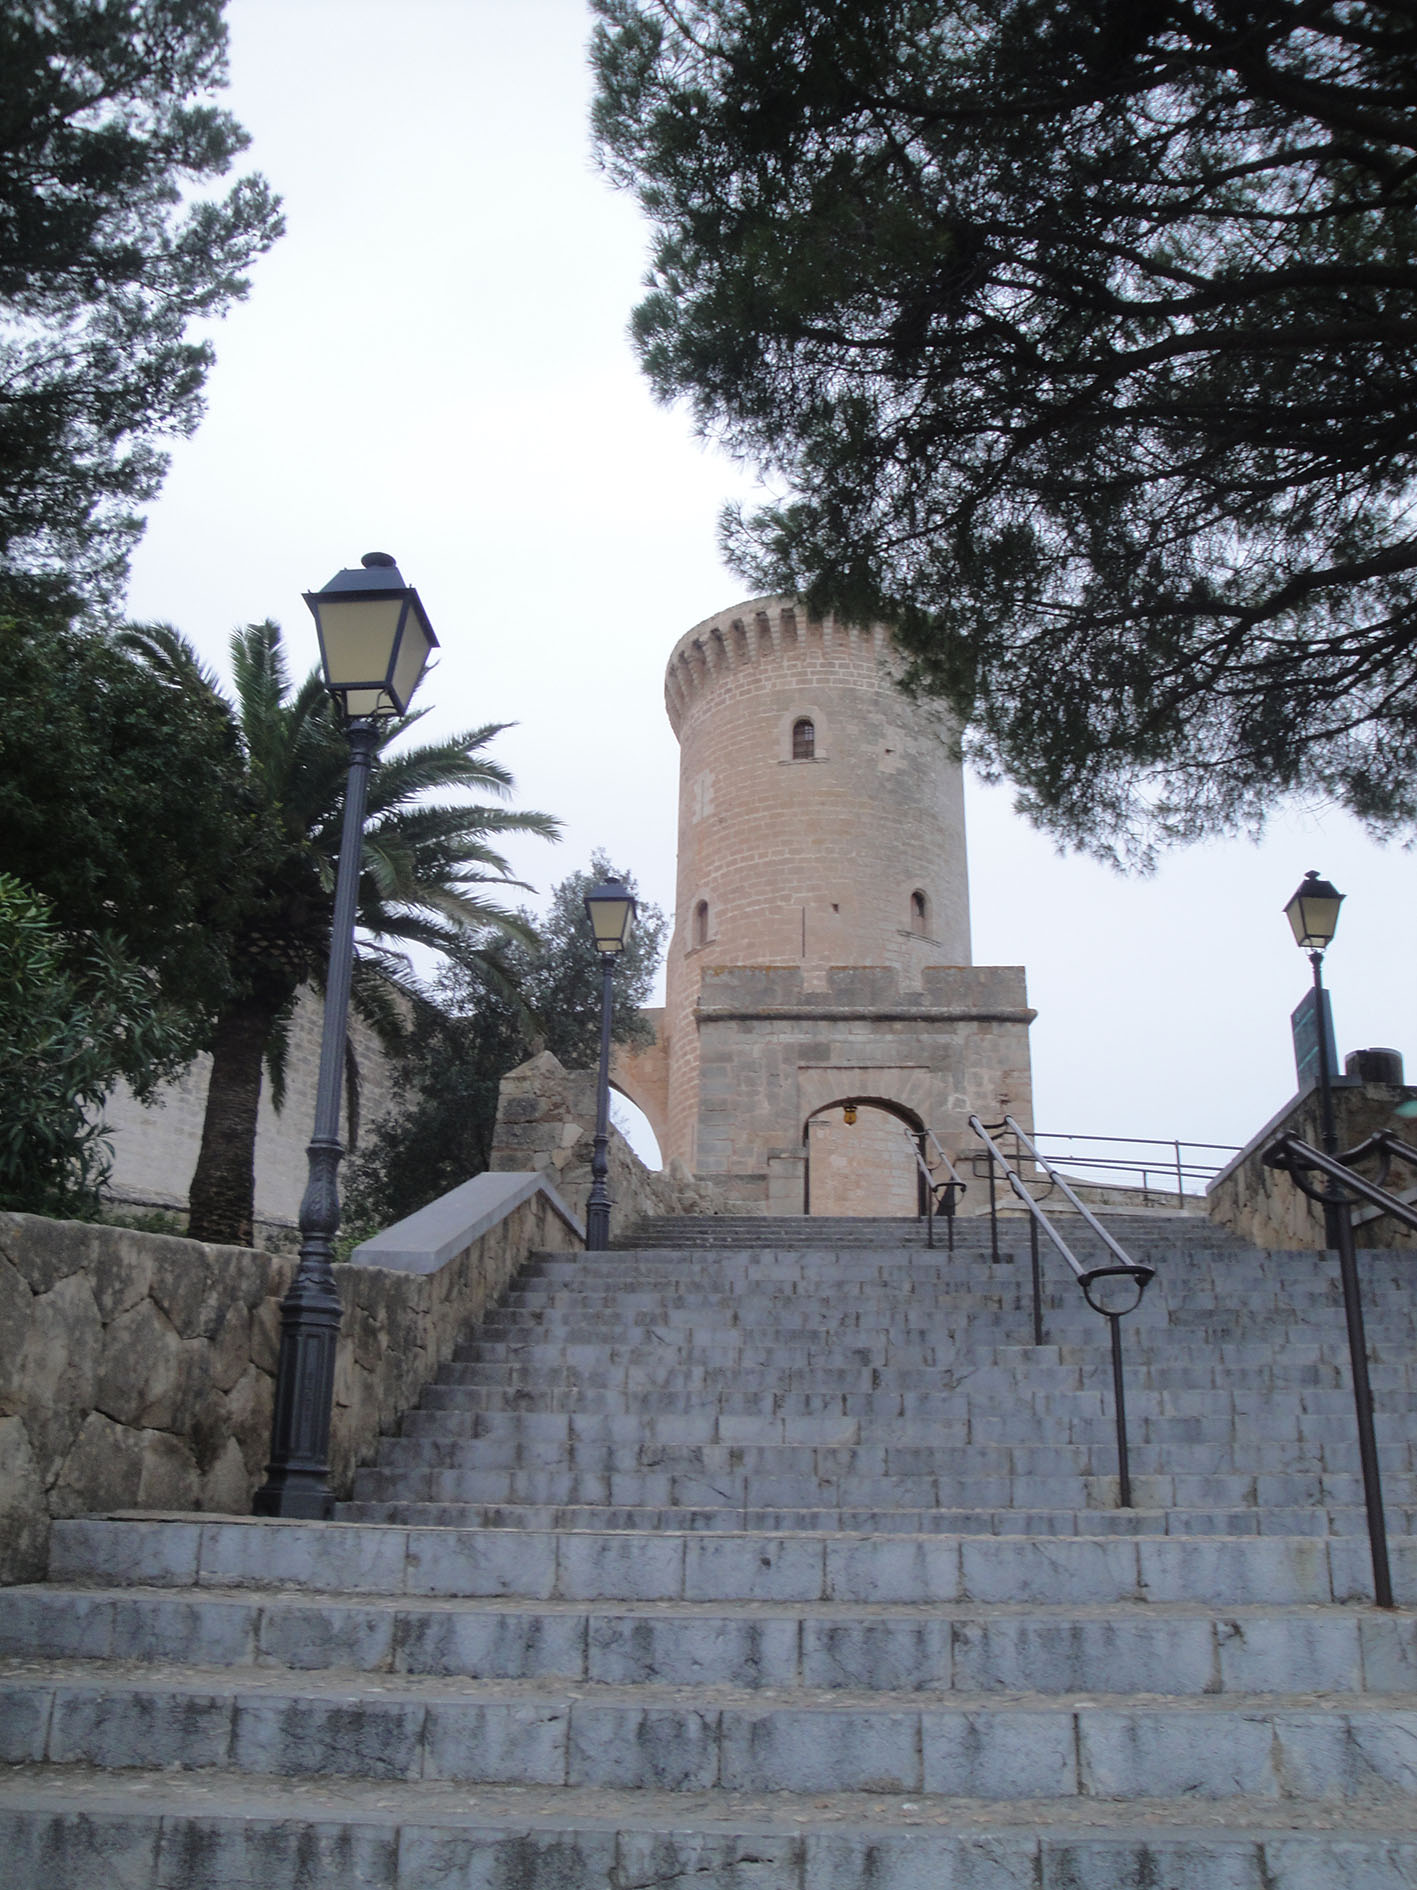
(821, 948)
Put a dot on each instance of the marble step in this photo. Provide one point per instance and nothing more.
(154, 1830)
(1104, 1518)
(269, 1721)
(1151, 1649)
(697, 1488)
(588, 1564)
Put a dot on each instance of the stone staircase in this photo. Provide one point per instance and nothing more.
(773, 1556)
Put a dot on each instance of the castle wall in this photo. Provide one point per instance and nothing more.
(774, 1053)
(155, 1146)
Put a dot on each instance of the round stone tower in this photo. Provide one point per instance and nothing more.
(821, 822)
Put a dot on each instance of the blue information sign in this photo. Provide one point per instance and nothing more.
(1303, 1022)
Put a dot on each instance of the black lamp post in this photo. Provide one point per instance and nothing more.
(1313, 914)
(611, 910)
(375, 641)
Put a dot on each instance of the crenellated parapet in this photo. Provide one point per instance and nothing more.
(765, 630)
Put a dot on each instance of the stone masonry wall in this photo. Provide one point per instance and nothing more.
(862, 1168)
(546, 1125)
(137, 1370)
(1264, 1206)
(773, 1052)
(155, 1147)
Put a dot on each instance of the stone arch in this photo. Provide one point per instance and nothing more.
(890, 1106)
(640, 1072)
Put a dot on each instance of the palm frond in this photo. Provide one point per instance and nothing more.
(171, 656)
(434, 767)
(277, 1053)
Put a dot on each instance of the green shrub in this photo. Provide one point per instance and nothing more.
(75, 1015)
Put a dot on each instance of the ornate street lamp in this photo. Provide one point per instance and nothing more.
(611, 910)
(1313, 914)
(375, 642)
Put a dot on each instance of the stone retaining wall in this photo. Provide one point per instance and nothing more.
(1264, 1206)
(137, 1370)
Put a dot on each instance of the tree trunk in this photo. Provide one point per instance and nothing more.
(222, 1196)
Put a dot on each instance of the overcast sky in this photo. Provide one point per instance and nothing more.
(434, 362)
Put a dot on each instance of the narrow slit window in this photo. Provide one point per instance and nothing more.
(701, 917)
(919, 912)
(804, 740)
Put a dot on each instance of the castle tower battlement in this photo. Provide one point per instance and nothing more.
(766, 629)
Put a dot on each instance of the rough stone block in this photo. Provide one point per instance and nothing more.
(111, 1727)
(514, 1742)
(787, 1750)
(481, 1562)
(490, 1645)
(1141, 1753)
(491, 1857)
(125, 1550)
(264, 1552)
(225, 1852)
(654, 1748)
(893, 1568)
(82, 1851)
(367, 1738)
(631, 1650)
(766, 1568)
(593, 1567)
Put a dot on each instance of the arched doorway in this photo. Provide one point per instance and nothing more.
(863, 1166)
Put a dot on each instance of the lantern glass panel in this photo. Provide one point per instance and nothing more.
(415, 647)
(611, 910)
(357, 639)
(1313, 913)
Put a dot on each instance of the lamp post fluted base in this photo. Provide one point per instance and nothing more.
(298, 1474)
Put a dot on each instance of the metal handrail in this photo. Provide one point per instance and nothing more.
(1174, 1161)
(1294, 1157)
(945, 1189)
(1136, 1271)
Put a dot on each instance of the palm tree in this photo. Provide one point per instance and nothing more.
(426, 866)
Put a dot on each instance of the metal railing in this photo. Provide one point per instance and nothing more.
(1090, 1279)
(937, 1196)
(1297, 1159)
(1166, 1172)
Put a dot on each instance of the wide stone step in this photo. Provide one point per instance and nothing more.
(455, 1391)
(1104, 1518)
(902, 1649)
(649, 1737)
(581, 1565)
(695, 1489)
(1283, 1380)
(225, 1831)
(1044, 1443)
(1078, 1419)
